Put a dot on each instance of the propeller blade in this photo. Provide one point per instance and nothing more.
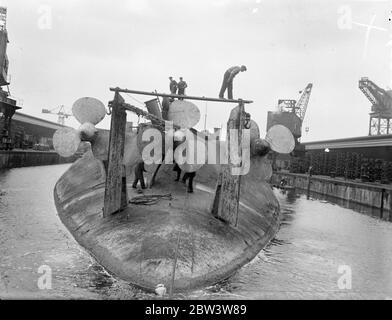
(254, 130)
(281, 139)
(260, 147)
(100, 145)
(179, 136)
(66, 141)
(131, 149)
(88, 132)
(88, 110)
(184, 114)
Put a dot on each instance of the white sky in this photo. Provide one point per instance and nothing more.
(92, 45)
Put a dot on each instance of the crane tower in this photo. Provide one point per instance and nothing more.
(381, 111)
(8, 105)
(61, 113)
(291, 113)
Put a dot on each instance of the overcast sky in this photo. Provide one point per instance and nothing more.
(60, 51)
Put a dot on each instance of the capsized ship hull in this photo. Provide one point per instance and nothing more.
(146, 244)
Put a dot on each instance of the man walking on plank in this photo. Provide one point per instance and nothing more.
(228, 81)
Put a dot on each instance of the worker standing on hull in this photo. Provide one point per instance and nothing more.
(173, 86)
(177, 169)
(139, 169)
(182, 85)
(189, 176)
(228, 81)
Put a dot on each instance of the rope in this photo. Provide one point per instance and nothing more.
(138, 101)
(149, 200)
(142, 105)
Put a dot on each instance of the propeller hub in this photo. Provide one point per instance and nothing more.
(88, 132)
(179, 136)
(260, 147)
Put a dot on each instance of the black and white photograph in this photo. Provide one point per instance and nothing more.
(209, 152)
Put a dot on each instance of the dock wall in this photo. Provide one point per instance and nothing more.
(29, 158)
(372, 195)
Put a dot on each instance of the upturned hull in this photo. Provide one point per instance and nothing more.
(176, 242)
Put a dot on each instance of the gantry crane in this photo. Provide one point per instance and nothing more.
(61, 113)
(381, 111)
(8, 105)
(291, 114)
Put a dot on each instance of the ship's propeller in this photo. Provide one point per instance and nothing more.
(89, 112)
(184, 114)
(66, 141)
(279, 139)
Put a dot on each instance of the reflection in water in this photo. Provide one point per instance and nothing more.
(371, 211)
(316, 237)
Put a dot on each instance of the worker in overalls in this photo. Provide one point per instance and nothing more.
(173, 85)
(182, 85)
(166, 106)
(228, 81)
(139, 169)
(177, 169)
(190, 176)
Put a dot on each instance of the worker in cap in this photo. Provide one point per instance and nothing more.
(228, 81)
(173, 86)
(182, 85)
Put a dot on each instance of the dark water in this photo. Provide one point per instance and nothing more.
(316, 237)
